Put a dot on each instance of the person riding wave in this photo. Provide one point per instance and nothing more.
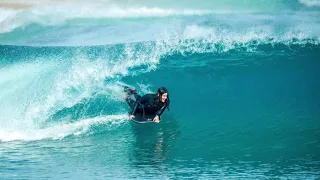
(150, 104)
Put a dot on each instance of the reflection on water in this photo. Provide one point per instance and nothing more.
(153, 142)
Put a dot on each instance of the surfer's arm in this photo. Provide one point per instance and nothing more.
(135, 107)
(158, 114)
(161, 110)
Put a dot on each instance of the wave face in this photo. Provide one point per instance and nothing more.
(242, 77)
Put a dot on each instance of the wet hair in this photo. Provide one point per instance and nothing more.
(160, 92)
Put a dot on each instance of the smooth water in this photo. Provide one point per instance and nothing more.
(243, 79)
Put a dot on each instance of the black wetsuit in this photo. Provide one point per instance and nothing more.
(146, 105)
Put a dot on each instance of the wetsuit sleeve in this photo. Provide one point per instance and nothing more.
(135, 107)
(161, 110)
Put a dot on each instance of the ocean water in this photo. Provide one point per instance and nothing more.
(243, 79)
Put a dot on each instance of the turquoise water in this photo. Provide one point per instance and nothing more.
(243, 79)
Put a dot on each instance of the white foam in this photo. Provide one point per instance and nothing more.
(7, 20)
(207, 39)
(59, 13)
(20, 86)
(310, 3)
(199, 39)
(59, 131)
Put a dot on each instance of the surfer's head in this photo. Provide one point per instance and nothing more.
(163, 97)
(163, 94)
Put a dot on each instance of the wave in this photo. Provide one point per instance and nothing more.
(310, 3)
(59, 91)
(43, 86)
(84, 12)
(211, 28)
(35, 91)
(49, 16)
(207, 39)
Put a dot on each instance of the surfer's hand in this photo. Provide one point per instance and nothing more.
(131, 117)
(156, 119)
